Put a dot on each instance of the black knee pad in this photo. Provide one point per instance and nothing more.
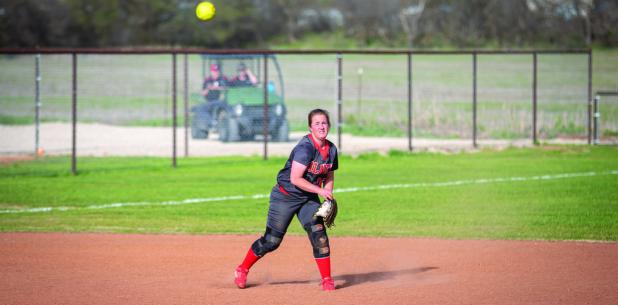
(319, 239)
(267, 243)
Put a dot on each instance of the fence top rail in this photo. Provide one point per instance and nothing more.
(279, 52)
(607, 93)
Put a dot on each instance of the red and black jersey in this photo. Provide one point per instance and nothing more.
(319, 161)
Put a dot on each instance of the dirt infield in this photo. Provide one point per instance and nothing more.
(46, 268)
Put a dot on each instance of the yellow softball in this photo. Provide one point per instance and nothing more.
(205, 10)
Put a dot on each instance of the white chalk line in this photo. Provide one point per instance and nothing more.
(340, 190)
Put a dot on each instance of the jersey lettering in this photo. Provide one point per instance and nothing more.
(313, 168)
(318, 169)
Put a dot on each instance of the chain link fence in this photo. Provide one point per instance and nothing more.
(127, 101)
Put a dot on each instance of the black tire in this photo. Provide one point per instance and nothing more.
(228, 128)
(282, 134)
(197, 132)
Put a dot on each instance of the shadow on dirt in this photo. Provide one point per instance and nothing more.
(359, 278)
(377, 276)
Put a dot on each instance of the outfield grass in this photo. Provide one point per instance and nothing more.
(584, 207)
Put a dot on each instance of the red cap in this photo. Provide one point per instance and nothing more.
(214, 67)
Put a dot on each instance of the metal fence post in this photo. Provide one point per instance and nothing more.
(37, 101)
(597, 115)
(339, 103)
(186, 102)
(589, 95)
(74, 116)
(359, 94)
(265, 124)
(474, 144)
(534, 98)
(174, 110)
(410, 101)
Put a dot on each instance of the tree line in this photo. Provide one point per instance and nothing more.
(257, 23)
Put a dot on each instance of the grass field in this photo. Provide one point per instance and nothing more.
(488, 195)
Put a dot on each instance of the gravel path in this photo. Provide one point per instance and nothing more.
(110, 140)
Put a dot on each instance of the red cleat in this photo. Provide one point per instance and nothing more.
(240, 277)
(328, 284)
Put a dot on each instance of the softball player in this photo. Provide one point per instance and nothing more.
(308, 172)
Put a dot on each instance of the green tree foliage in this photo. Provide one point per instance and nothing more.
(111, 23)
(255, 23)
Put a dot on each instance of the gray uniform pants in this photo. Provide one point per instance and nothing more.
(282, 209)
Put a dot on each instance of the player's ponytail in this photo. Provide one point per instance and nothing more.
(316, 112)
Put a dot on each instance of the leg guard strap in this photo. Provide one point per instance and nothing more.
(267, 243)
(319, 240)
